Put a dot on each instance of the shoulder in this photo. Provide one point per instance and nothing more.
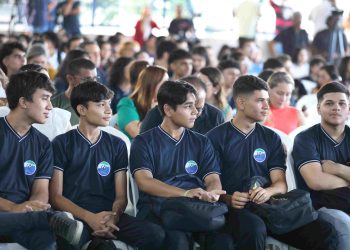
(63, 137)
(219, 130)
(309, 133)
(126, 101)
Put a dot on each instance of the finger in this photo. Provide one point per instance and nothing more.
(241, 198)
(111, 225)
(259, 196)
(218, 192)
(238, 203)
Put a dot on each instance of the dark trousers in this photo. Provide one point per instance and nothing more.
(179, 240)
(30, 230)
(249, 233)
(133, 231)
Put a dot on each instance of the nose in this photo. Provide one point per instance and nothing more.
(194, 111)
(108, 109)
(49, 106)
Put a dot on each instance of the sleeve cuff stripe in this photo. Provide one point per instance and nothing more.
(43, 177)
(275, 168)
(306, 162)
(121, 169)
(58, 168)
(214, 172)
(137, 169)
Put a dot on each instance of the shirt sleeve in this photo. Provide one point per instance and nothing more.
(127, 112)
(120, 158)
(45, 161)
(60, 158)
(304, 150)
(209, 163)
(140, 157)
(278, 156)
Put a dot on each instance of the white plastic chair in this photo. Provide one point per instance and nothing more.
(290, 177)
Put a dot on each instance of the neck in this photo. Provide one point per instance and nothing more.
(19, 122)
(172, 129)
(336, 132)
(91, 132)
(243, 123)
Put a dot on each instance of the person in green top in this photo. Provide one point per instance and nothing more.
(133, 108)
(79, 70)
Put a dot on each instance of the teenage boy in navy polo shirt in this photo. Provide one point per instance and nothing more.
(322, 153)
(247, 149)
(172, 150)
(26, 167)
(89, 177)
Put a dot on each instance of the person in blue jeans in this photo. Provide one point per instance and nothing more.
(26, 168)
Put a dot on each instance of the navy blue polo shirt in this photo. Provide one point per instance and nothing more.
(89, 169)
(166, 157)
(315, 145)
(23, 159)
(243, 156)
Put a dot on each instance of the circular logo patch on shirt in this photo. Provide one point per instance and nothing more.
(103, 168)
(259, 155)
(29, 167)
(191, 167)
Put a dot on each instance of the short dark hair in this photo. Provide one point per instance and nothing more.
(178, 54)
(32, 67)
(332, 87)
(247, 84)
(76, 65)
(265, 74)
(196, 82)
(165, 46)
(272, 63)
(173, 93)
(6, 50)
(90, 91)
(316, 60)
(24, 84)
(229, 63)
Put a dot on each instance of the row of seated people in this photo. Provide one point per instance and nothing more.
(218, 160)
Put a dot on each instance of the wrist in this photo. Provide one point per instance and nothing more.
(186, 193)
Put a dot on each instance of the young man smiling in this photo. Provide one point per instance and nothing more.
(89, 177)
(321, 156)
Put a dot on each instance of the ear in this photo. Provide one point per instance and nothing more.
(318, 108)
(240, 101)
(81, 110)
(22, 103)
(168, 110)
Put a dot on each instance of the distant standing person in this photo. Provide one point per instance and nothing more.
(70, 10)
(181, 27)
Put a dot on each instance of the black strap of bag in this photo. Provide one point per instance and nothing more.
(285, 212)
